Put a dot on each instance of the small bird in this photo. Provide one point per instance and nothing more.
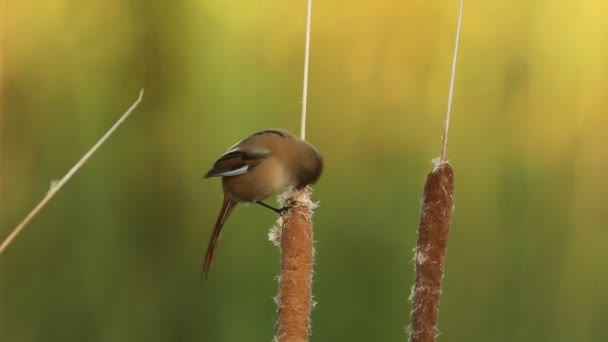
(258, 167)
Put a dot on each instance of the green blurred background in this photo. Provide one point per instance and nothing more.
(116, 255)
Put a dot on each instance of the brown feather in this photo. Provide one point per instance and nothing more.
(227, 207)
(233, 161)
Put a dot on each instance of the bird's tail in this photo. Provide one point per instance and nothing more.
(227, 207)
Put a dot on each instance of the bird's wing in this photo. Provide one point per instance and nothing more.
(236, 162)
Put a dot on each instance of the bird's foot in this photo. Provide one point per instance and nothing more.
(279, 211)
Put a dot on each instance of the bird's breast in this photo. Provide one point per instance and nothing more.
(268, 178)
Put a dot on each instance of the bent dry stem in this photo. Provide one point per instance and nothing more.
(56, 186)
(294, 237)
(430, 252)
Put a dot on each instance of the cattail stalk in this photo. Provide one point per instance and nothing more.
(431, 251)
(294, 236)
(433, 231)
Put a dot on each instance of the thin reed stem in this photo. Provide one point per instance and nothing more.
(446, 126)
(306, 62)
(57, 186)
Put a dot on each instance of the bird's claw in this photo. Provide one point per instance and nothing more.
(285, 209)
(279, 211)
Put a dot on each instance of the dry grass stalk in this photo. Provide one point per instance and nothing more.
(294, 236)
(430, 252)
(57, 185)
